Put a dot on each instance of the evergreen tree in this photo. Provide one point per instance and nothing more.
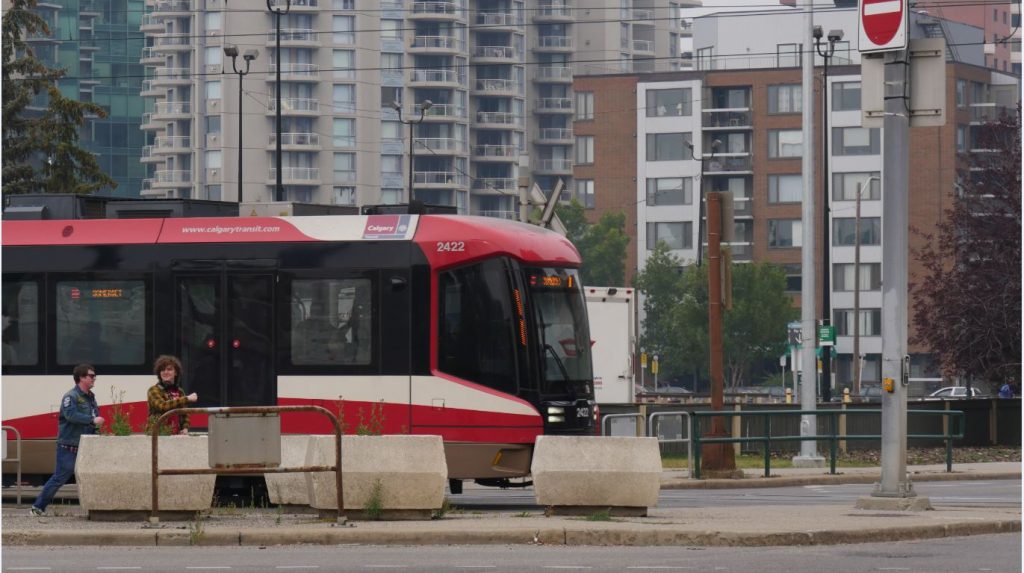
(40, 147)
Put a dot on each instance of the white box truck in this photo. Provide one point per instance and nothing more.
(612, 315)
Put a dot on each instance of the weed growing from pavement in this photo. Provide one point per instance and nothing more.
(523, 514)
(195, 530)
(439, 513)
(374, 505)
(602, 515)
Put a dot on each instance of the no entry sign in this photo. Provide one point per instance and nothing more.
(883, 25)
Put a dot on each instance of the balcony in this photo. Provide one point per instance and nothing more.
(438, 179)
(441, 145)
(176, 177)
(436, 45)
(499, 185)
(495, 152)
(172, 77)
(437, 11)
(150, 90)
(295, 141)
(147, 123)
(167, 145)
(295, 175)
(554, 44)
(172, 110)
(498, 119)
(986, 112)
(495, 54)
(172, 43)
(553, 105)
(151, 57)
(151, 23)
(297, 5)
(295, 72)
(498, 214)
(172, 7)
(727, 119)
(740, 251)
(646, 46)
(294, 37)
(497, 86)
(721, 164)
(643, 17)
(555, 136)
(294, 106)
(445, 78)
(553, 12)
(554, 74)
(742, 207)
(554, 167)
(497, 20)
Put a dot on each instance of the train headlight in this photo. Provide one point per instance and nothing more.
(554, 419)
(556, 410)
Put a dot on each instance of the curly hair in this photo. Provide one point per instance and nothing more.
(165, 360)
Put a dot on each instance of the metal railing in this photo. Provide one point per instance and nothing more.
(688, 440)
(16, 460)
(833, 437)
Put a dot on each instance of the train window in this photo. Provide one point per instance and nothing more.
(475, 338)
(331, 322)
(101, 321)
(20, 323)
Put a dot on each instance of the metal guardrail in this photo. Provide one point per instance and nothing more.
(154, 516)
(606, 426)
(17, 460)
(688, 440)
(833, 436)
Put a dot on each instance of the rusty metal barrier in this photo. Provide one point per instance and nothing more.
(154, 516)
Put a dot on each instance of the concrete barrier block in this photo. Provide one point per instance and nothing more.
(412, 471)
(596, 471)
(114, 473)
(290, 488)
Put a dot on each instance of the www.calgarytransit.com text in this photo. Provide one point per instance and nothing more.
(218, 230)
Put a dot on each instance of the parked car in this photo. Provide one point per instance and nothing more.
(956, 392)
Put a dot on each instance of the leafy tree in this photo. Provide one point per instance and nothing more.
(602, 245)
(40, 148)
(967, 304)
(660, 281)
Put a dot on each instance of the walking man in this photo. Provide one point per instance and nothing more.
(79, 414)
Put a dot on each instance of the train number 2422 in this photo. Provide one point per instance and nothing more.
(451, 246)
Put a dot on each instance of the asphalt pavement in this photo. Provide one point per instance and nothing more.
(820, 523)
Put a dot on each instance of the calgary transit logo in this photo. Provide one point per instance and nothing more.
(882, 25)
(386, 227)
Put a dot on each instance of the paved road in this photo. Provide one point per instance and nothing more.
(999, 553)
(975, 494)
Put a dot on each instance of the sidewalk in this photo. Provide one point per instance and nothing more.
(751, 526)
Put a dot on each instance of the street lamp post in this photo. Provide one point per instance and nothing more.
(826, 288)
(700, 194)
(856, 288)
(279, 189)
(249, 55)
(427, 104)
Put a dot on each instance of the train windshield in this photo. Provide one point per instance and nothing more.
(560, 313)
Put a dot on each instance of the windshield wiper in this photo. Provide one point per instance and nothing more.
(558, 361)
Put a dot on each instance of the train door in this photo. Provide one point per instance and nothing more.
(224, 325)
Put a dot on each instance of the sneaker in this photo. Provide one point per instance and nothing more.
(36, 511)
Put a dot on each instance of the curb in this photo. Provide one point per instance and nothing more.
(570, 536)
(838, 479)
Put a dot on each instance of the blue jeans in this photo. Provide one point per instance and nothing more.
(64, 472)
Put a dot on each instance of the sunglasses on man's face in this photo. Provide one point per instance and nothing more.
(90, 375)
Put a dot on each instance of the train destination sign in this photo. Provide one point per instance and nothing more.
(883, 25)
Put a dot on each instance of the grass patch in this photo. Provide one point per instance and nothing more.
(756, 461)
(602, 515)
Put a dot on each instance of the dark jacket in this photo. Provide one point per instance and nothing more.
(77, 411)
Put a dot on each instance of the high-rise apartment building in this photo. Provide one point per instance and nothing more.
(497, 73)
(97, 43)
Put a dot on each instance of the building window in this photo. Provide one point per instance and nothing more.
(344, 98)
(213, 21)
(343, 4)
(344, 196)
(870, 322)
(961, 93)
(785, 99)
(843, 277)
(213, 90)
(669, 191)
(213, 159)
(213, 56)
(391, 164)
(212, 124)
(391, 62)
(344, 132)
(674, 102)
(668, 146)
(844, 186)
(390, 29)
(844, 232)
(213, 192)
(784, 233)
(856, 141)
(585, 192)
(785, 143)
(584, 149)
(675, 235)
(391, 196)
(344, 166)
(846, 96)
(704, 58)
(788, 55)
(584, 105)
(794, 280)
(785, 188)
(961, 138)
(343, 30)
(344, 64)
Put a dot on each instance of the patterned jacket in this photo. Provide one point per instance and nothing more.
(164, 398)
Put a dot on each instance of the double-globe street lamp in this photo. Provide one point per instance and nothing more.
(232, 52)
(826, 302)
(271, 6)
(427, 104)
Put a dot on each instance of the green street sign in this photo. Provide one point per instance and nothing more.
(826, 335)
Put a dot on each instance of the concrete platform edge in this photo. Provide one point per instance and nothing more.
(826, 479)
